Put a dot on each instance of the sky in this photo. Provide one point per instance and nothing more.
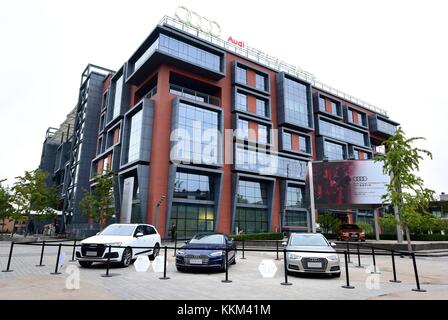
(393, 54)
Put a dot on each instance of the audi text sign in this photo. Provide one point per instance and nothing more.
(345, 184)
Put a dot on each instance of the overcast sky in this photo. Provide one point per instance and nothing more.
(393, 54)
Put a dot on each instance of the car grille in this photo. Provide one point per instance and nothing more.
(202, 257)
(98, 248)
(306, 261)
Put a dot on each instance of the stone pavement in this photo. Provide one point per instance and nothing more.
(30, 282)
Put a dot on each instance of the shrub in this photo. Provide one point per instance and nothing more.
(258, 236)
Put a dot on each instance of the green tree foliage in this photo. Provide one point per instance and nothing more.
(97, 204)
(7, 211)
(328, 222)
(406, 190)
(31, 193)
(366, 227)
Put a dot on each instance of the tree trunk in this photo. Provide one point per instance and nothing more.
(408, 238)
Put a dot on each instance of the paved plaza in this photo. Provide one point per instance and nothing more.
(30, 282)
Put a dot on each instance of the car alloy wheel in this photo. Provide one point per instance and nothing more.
(127, 257)
(155, 253)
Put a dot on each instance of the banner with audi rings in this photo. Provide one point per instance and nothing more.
(347, 184)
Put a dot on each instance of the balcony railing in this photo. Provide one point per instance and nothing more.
(194, 95)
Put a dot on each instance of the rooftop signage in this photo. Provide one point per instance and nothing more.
(194, 20)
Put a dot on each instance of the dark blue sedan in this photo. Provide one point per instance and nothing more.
(206, 250)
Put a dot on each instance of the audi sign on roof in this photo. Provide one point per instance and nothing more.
(339, 184)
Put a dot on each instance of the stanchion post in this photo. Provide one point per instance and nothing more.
(374, 261)
(417, 281)
(9, 259)
(73, 252)
(56, 267)
(393, 269)
(359, 256)
(227, 268)
(41, 255)
(286, 283)
(164, 264)
(276, 243)
(347, 276)
(243, 251)
(348, 250)
(107, 274)
(175, 244)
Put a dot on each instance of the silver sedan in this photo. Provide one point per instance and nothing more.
(324, 261)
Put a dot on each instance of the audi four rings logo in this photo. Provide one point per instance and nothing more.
(194, 20)
(359, 179)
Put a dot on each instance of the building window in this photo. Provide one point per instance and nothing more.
(386, 127)
(295, 197)
(104, 101)
(295, 218)
(100, 146)
(261, 107)
(334, 108)
(263, 136)
(135, 137)
(194, 120)
(303, 145)
(243, 129)
(322, 104)
(260, 82)
(341, 133)
(190, 219)
(334, 151)
(117, 98)
(361, 120)
(241, 75)
(296, 103)
(189, 53)
(287, 141)
(350, 116)
(106, 165)
(251, 220)
(251, 192)
(241, 101)
(193, 186)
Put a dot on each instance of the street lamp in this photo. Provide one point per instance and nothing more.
(159, 203)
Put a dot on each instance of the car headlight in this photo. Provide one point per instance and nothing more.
(180, 252)
(333, 257)
(216, 254)
(294, 256)
(114, 244)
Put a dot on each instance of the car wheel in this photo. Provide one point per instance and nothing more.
(155, 253)
(126, 257)
(180, 269)
(85, 264)
(336, 275)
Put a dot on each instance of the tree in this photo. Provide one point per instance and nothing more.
(98, 204)
(7, 211)
(31, 193)
(366, 227)
(328, 222)
(406, 191)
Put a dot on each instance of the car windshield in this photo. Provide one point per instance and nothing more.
(349, 226)
(208, 238)
(308, 241)
(118, 230)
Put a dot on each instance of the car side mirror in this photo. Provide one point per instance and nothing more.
(333, 244)
(139, 234)
(186, 242)
(284, 243)
(97, 233)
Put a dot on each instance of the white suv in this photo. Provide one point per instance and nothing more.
(125, 236)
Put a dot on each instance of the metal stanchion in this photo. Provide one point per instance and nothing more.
(417, 281)
(348, 250)
(393, 269)
(73, 253)
(359, 257)
(374, 262)
(227, 268)
(347, 277)
(276, 242)
(56, 268)
(9, 259)
(286, 283)
(164, 265)
(243, 251)
(41, 255)
(107, 274)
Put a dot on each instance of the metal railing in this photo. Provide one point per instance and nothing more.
(267, 61)
(194, 95)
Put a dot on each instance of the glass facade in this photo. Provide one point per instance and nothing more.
(322, 104)
(263, 134)
(287, 141)
(261, 107)
(260, 82)
(243, 129)
(341, 133)
(334, 151)
(241, 101)
(295, 197)
(303, 144)
(296, 103)
(241, 75)
(296, 218)
(252, 192)
(191, 219)
(194, 121)
(193, 186)
(117, 99)
(386, 127)
(252, 220)
(135, 136)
